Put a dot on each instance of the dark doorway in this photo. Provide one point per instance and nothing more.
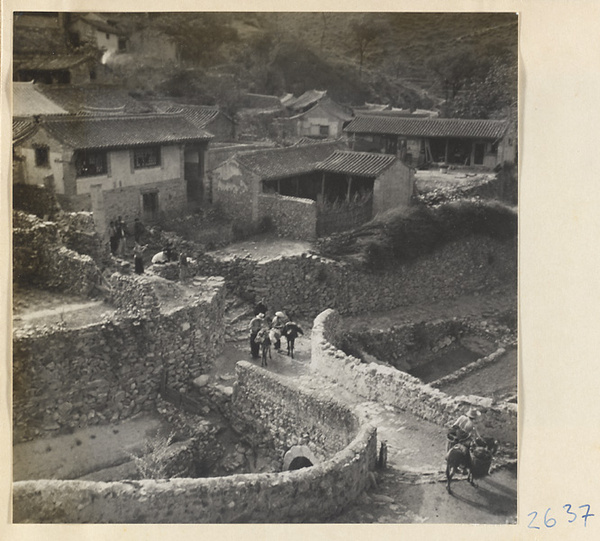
(192, 173)
(150, 206)
(478, 153)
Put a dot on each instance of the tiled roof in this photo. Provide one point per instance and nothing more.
(363, 164)
(428, 127)
(330, 107)
(22, 129)
(50, 62)
(199, 115)
(29, 101)
(286, 162)
(94, 98)
(101, 24)
(123, 131)
(307, 99)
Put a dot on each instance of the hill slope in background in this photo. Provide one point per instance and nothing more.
(408, 60)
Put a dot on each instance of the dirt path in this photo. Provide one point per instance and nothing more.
(411, 488)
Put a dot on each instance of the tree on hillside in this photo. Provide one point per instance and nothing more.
(454, 69)
(490, 95)
(364, 38)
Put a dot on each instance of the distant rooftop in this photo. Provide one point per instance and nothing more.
(428, 127)
(363, 164)
(29, 101)
(123, 131)
(286, 162)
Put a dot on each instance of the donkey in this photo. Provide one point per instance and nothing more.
(264, 340)
(475, 458)
(291, 331)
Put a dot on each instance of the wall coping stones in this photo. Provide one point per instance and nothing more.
(303, 495)
(388, 385)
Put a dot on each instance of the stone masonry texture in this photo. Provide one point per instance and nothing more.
(306, 495)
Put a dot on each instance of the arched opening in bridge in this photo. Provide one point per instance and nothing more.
(300, 462)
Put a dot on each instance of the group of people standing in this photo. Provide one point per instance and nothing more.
(118, 233)
(272, 330)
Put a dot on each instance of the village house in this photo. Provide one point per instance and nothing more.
(316, 115)
(422, 141)
(98, 31)
(73, 68)
(310, 189)
(348, 175)
(129, 165)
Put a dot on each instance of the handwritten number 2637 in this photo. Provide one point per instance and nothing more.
(550, 522)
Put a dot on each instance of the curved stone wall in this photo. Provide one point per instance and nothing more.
(388, 385)
(306, 495)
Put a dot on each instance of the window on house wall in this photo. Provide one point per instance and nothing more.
(107, 35)
(90, 163)
(324, 131)
(42, 157)
(122, 44)
(146, 157)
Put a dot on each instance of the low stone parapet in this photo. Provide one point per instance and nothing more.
(388, 385)
(306, 495)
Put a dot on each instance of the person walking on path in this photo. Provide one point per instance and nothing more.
(255, 326)
(138, 258)
(277, 325)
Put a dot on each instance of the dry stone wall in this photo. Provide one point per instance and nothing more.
(388, 385)
(306, 495)
(40, 259)
(307, 284)
(293, 217)
(68, 378)
(292, 417)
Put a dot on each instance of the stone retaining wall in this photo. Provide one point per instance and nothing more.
(293, 217)
(306, 285)
(105, 371)
(266, 401)
(387, 385)
(306, 495)
(463, 372)
(40, 259)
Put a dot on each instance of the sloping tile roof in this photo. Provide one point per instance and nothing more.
(286, 162)
(94, 98)
(123, 131)
(307, 99)
(49, 62)
(329, 106)
(199, 115)
(101, 24)
(22, 129)
(363, 164)
(29, 101)
(428, 127)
